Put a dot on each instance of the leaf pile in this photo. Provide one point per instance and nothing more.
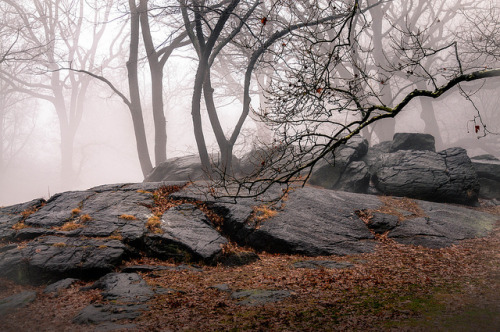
(397, 287)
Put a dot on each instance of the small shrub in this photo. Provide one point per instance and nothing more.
(128, 217)
(76, 211)
(19, 226)
(262, 213)
(85, 218)
(153, 225)
(59, 244)
(70, 226)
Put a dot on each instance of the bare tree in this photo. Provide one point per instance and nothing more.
(219, 26)
(140, 14)
(332, 88)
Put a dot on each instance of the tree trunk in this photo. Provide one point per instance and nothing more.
(156, 70)
(225, 147)
(158, 114)
(196, 115)
(135, 97)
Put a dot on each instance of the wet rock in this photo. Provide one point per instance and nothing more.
(58, 209)
(186, 231)
(16, 301)
(222, 288)
(127, 292)
(11, 215)
(447, 176)
(355, 178)
(315, 222)
(53, 257)
(488, 172)
(443, 225)
(98, 313)
(329, 171)
(381, 222)
(59, 285)
(122, 212)
(124, 287)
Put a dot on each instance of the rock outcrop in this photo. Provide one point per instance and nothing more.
(406, 166)
(487, 168)
(447, 176)
(90, 233)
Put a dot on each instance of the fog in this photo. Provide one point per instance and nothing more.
(105, 144)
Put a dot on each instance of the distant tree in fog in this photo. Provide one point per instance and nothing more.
(69, 33)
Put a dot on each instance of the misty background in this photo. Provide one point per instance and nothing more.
(104, 147)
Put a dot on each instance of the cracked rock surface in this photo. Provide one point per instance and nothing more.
(88, 234)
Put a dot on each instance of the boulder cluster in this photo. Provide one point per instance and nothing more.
(407, 166)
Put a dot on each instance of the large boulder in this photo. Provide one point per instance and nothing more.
(447, 176)
(185, 168)
(185, 230)
(335, 172)
(412, 141)
(488, 171)
(313, 222)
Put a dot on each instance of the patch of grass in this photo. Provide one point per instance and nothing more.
(76, 211)
(59, 245)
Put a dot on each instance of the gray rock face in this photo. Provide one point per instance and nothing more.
(52, 257)
(11, 215)
(96, 313)
(356, 178)
(335, 172)
(59, 285)
(447, 176)
(186, 229)
(314, 222)
(381, 223)
(443, 225)
(127, 293)
(412, 141)
(58, 209)
(487, 168)
(16, 301)
(124, 287)
(186, 168)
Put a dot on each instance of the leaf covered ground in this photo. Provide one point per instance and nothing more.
(397, 287)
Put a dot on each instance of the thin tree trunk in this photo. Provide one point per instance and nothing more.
(224, 145)
(135, 97)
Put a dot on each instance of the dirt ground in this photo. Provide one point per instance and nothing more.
(397, 287)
